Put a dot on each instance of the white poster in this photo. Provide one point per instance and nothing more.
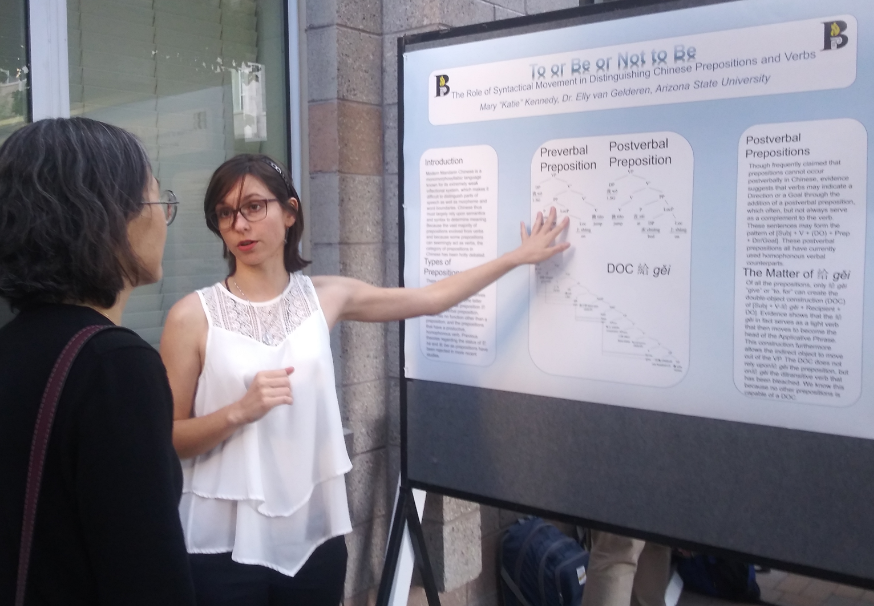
(713, 162)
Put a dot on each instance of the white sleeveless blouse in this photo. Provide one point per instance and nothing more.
(274, 490)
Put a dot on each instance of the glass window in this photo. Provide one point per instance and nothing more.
(13, 67)
(14, 89)
(198, 81)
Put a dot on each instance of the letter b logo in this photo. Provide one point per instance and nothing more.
(834, 35)
(442, 85)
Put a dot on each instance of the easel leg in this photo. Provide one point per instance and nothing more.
(414, 527)
(402, 554)
(396, 538)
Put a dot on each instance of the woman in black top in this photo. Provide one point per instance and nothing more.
(81, 225)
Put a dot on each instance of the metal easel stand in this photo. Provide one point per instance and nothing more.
(406, 547)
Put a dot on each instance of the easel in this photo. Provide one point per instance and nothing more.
(406, 547)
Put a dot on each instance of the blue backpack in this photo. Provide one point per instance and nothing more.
(719, 577)
(540, 566)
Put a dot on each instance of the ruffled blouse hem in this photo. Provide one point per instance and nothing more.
(286, 571)
(262, 501)
(211, 551)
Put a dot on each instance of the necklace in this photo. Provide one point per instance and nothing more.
(254, 312)
(268, 328)
(237, 286)
(240, 290)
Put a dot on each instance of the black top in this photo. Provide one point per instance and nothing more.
(107, 526)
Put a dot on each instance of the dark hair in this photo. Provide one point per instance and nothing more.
(68, 188)
(277, 180)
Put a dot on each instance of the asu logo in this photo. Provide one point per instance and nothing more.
(834, 35)
(442, 86)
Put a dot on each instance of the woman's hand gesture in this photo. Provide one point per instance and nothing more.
(269, 389)
(540, 245)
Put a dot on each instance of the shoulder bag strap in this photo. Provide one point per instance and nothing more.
(41, 432)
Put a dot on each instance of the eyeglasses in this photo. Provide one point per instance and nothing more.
(169, 203)
(224, 217)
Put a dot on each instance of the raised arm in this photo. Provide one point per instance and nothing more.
(349, 299)
(183, 346)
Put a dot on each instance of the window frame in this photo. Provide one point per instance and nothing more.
(47, 45)
(48, 59)
(48, 62)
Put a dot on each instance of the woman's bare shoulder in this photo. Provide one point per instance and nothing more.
(187, 314)
(332, 292)
(322, 281)
(328, 287)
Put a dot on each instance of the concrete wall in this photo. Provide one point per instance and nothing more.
(351, 81)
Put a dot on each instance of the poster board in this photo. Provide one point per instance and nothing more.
(697, 366)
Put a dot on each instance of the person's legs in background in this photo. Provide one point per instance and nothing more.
(653, 576)
(612, 564)
(626, 572)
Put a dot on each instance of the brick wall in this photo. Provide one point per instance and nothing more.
(351, 80)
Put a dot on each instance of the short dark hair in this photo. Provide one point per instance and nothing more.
(68, 188)
(276, 178)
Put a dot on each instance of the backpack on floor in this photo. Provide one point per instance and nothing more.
(541, 566)
(719, 577)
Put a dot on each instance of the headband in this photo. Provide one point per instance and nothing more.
(285, 179)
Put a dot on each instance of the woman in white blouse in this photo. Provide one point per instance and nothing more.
(257, 424)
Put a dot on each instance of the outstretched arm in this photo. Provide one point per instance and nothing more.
(349, 299)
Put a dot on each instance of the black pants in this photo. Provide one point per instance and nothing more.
(219, 581)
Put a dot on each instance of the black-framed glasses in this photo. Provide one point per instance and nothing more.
(169, 205)
(224, 217)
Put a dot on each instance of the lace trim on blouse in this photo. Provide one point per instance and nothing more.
(269, 322)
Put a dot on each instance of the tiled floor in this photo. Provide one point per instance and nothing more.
(786, 589)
